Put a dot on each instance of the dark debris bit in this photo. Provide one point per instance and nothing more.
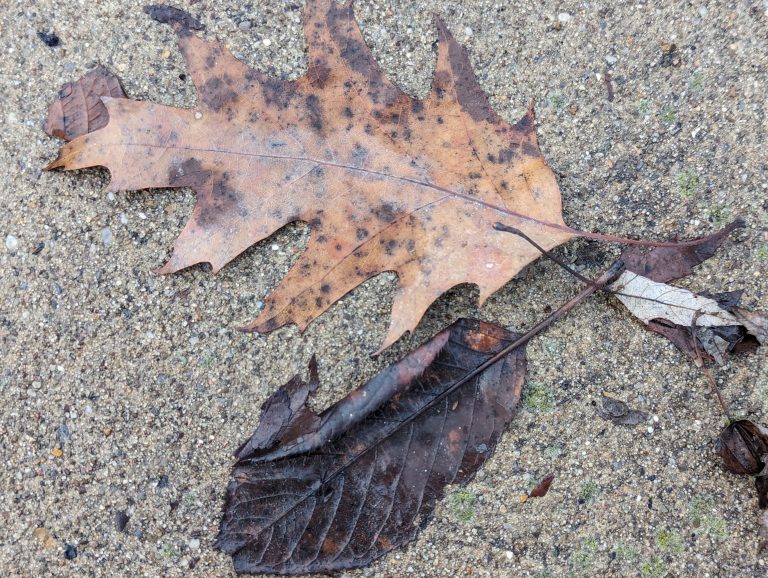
(49, 39)
(619, 413)
(70, 552)
(121, 520)
(169, 15)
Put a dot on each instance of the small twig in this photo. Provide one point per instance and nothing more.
(542, 250)
(608, 277)
(705, 370)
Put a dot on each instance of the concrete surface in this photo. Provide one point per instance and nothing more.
(123, 394)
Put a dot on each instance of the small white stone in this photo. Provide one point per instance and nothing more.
(468, 31)
(563, 17)
(266, 42)
(11, 243)
(106, 236)
(275, 247)
(611, 59)
(198, 115)
(194, 544)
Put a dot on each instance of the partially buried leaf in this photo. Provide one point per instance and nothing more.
(364, 475)
(385, 181)
(79, 109)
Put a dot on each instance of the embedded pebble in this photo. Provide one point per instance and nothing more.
(106, 236)
(11, 243)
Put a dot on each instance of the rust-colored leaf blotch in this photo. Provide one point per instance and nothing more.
(386, 182)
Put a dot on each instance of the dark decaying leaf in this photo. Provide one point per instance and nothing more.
(364, 475)
(664, 264)
(743, 449)
(78, 109)
(542, 487)
(169, 15)
(619, 413)
(661, 307)
(743, 446)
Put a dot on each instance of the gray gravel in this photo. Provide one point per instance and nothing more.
(122, 394)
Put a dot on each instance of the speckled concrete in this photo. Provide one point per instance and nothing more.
(123, 394)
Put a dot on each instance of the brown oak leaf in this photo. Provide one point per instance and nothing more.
(385, 181)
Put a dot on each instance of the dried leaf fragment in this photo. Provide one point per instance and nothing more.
(649, 300)
(664, 264)
(385, 182)
(743, 446)
(79, 109)
(743, 449)
(365, 474)
(542, 487)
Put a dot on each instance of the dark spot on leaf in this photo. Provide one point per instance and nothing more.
(385, 212)
(216, 95)
(276, 93)
(190, 173)
(314, 112)
(325, 288)
(318, 73)
(530, 149)
(361, 234)
(348, 112)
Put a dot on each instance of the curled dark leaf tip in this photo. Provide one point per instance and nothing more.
(742, 446)
(542, 487)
